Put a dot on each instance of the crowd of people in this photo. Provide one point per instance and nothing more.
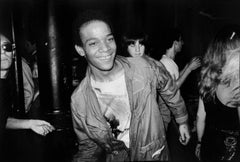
(128, 103)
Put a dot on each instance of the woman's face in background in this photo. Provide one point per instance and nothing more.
(6, 53)
(136, 48)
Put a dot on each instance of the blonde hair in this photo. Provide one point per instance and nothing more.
(226, 42)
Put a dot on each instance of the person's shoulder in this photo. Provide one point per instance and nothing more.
(78, 106)
(24, 62)
(139, 61)
(131, 62)
(79, 89)
(164, 58)
(166, 61)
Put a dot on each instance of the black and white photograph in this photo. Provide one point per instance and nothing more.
(119, 80)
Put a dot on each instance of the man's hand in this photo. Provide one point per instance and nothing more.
(194, 63)
(184, 134)
(116, 146)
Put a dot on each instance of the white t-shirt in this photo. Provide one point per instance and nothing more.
(114, 103)
(171, 66)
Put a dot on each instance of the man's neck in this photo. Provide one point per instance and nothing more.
(106, 76)
(170, 53)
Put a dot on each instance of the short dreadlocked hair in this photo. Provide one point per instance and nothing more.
(84, 19)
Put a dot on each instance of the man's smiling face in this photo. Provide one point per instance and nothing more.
(99, 46)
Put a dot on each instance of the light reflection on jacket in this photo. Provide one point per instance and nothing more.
(147, 132)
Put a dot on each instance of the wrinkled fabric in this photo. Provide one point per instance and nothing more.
(147, 132)
(165, 112)
(28, 85)
(171, 66)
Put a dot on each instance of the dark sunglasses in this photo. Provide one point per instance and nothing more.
(8, 47)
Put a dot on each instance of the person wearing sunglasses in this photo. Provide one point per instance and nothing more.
(38, 126)
(6, 56)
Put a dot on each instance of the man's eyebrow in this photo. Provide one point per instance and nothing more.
(90, 39)
(6, 42)
(110, 34)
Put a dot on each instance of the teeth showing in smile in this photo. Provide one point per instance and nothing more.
(105, 57)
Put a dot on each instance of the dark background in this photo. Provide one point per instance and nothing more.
(198, 20)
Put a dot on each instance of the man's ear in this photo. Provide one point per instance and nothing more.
(175, 43)
(79, 50)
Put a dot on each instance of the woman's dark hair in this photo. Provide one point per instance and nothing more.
(129, 38)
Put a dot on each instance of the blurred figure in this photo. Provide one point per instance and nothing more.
(30, 76)
(218, 127)
(28, 84)
(173, 45)
(40, 127)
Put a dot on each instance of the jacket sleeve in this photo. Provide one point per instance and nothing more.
(169, 92)
(28, 86)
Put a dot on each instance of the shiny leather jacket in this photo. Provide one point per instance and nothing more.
(147, 132)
